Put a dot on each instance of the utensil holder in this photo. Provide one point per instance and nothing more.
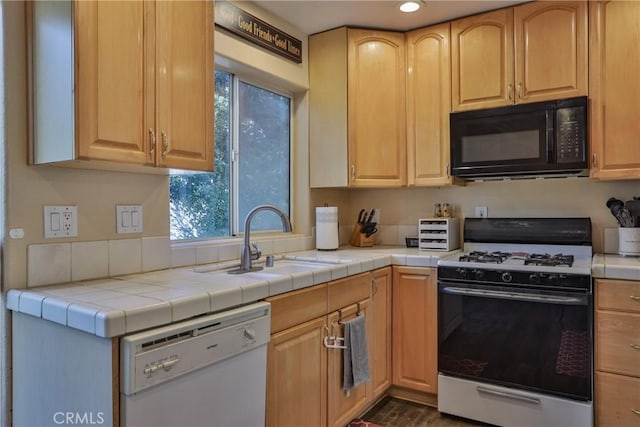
(629, 241)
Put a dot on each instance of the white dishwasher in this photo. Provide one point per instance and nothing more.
(207, 371)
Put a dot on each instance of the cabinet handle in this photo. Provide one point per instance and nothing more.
(635, 346)
(520, 92)
(510, 91)
(353, 172)
(635, 297)
(152, 137)
(636, 411)
(374, 287)
(447, 170)
(593, 160)
(165, 145)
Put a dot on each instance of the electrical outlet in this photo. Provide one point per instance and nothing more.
(482, 212)
(60, 221)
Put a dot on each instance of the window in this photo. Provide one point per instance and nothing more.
(252, 165)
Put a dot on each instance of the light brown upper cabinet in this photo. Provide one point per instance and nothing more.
(428, 105)
(357, 123)
(136, 79)
(614, 89)
(528, 53)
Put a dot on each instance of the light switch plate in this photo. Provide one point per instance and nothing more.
(60, 221)
(128, 219)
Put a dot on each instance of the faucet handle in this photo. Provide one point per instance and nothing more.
(256, 253)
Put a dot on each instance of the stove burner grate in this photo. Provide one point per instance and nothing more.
(499, 257)
(485, 257)
(549, 260)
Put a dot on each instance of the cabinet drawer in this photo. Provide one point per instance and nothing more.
(348, 291)
(294, 308)
(616, 336)
(618, 295)
(616, 399)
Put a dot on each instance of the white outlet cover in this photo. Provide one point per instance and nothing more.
(60, 221)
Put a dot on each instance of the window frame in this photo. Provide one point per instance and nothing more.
(234, 192)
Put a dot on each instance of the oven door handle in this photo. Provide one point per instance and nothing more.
(514, 296)
(508, 395)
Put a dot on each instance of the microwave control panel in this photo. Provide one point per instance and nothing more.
(570, 135)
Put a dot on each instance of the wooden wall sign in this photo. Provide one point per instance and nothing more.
(255, 30)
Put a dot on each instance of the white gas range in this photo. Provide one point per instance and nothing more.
(515, 315)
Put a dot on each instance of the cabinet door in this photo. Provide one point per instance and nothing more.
(550, 50)
(297, 376)
(428, 105)
(617, 400)
(482, 61)
(376, 108)
(185, 84)
(614, 89)
(114, 69)
(342, 408)
(380, 336)
(415, 329)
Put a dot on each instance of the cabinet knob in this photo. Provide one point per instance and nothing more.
(510, 91)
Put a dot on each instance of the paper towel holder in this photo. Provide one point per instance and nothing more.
(327, 228)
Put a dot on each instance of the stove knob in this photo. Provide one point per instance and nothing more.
(534, 278)
(479, 274)
(506, 277)
(462, 272)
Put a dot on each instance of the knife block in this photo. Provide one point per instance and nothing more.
(360, 239)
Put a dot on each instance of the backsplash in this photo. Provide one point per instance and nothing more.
(55, 263)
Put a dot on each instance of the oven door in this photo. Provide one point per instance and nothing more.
(486, 144)
(517, 337)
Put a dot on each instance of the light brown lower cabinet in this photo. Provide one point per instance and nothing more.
(415, 329)
(342, 408)
(380, 355)
(304, 377)
(297, 376)
(617, 353)
(617, 400)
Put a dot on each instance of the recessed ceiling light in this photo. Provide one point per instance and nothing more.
(410, 6)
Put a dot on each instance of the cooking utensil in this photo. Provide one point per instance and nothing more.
(634, 209)
(361, 216)
(620, 212)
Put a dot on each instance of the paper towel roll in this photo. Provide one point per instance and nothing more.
(327, 228)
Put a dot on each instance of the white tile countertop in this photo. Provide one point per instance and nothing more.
(607, 266)
(124, 304)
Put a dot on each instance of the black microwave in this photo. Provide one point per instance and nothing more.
(538, 139)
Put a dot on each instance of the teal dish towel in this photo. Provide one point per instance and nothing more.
(356, 355)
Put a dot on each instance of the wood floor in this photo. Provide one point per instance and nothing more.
(392, 412)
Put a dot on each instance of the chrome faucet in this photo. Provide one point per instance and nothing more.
(250, 251)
